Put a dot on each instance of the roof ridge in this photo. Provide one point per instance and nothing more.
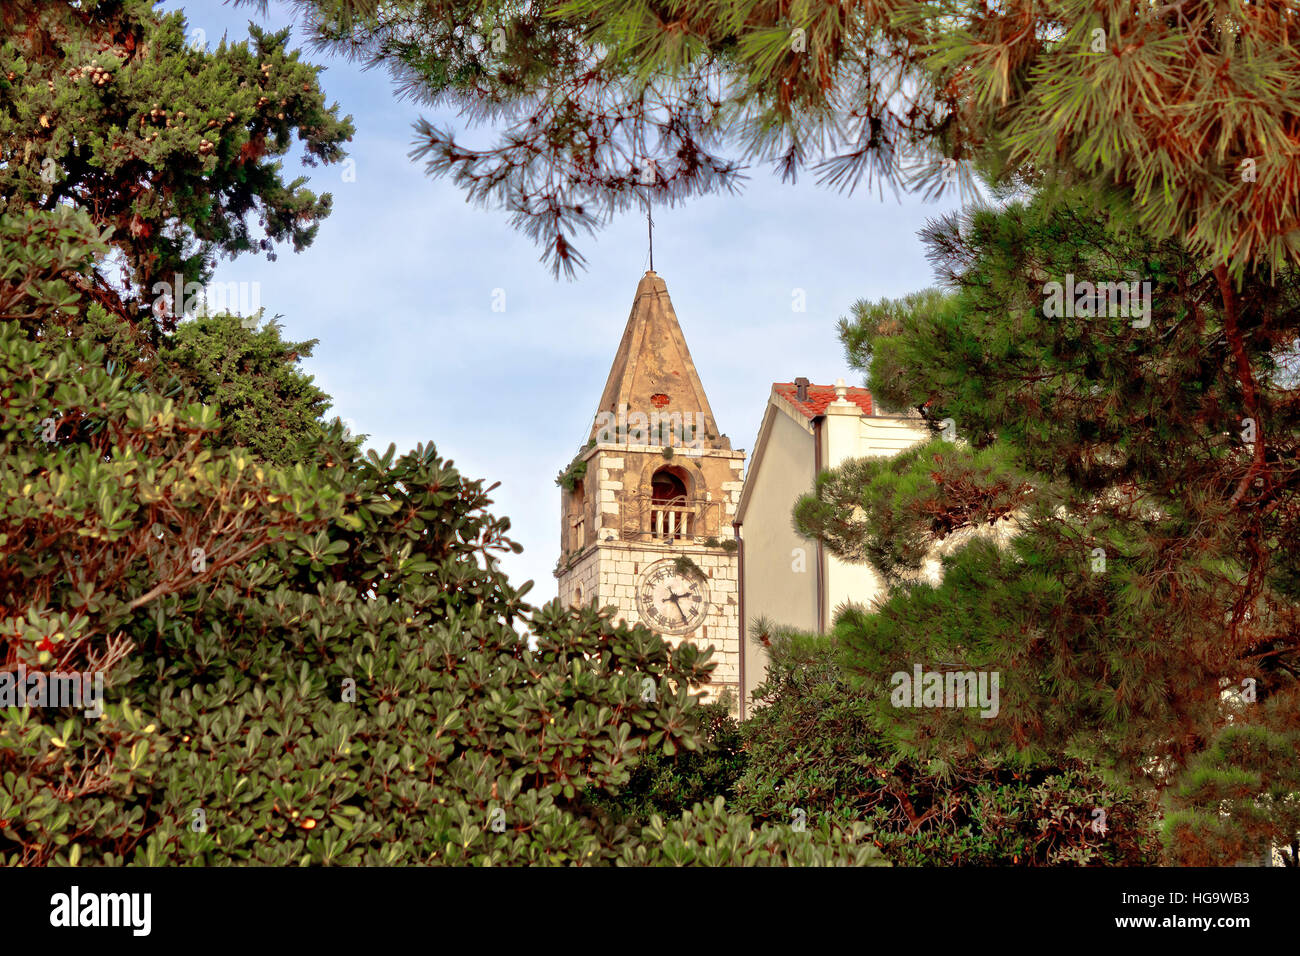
(820, 396)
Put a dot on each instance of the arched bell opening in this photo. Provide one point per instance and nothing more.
(672, 514)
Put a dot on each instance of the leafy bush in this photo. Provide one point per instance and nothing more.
(710, 836)
(813, 746)
(665, 785)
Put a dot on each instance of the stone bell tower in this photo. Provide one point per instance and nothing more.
(646, 505)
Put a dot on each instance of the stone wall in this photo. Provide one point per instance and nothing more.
(621, 565)
(578, 585)
(617, 483)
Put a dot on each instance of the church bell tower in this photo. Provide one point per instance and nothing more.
(646, 506)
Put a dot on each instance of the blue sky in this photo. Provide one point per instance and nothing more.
(398, 287)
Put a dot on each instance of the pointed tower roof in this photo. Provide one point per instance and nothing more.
(653, 370)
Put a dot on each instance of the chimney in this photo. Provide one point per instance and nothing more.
(801, 389)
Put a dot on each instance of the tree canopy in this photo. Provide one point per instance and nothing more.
(1143, 484)
(1187, 107)
(173, 149)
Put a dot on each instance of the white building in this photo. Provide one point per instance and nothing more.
(784, 576)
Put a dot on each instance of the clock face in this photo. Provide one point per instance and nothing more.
(671, 601)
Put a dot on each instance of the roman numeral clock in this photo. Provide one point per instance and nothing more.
(671, 600)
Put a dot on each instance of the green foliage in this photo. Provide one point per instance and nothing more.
(665, 785)
(576, 470)
(727, 544)
(1146, 523)
(109, 501)
(1238, 798)
(265, 403)
(873, 332)
(1138, 460)
(814, 744)
(891, 511)
(1180, 107)
(712, 836)
(683, 564)
(44, 251)
(112, 108)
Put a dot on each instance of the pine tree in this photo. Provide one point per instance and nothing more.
(173, 149)
(602, 105)
(1148, 571)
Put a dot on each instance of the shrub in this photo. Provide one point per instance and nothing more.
(666, 785)
(812, 745)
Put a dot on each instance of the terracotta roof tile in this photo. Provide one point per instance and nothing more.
(819, 396)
